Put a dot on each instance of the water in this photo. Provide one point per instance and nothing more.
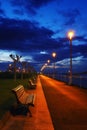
(79, 80)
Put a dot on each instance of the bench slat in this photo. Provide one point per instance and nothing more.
(30, 99)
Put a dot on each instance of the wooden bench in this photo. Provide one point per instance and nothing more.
(31, 84)
(23, 98)
(34, 79)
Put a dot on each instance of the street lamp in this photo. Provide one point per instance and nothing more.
(48, 61)
(70, 36)
(54, 55)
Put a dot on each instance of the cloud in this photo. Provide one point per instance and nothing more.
(18, 12)
(2, 13)
(27, 36)
(70, 16)
(39, 3)
(32, 3)
(4, 57)
(29, 6)
(81, 38)
(43, 52)
(24, 35)
(80, 49)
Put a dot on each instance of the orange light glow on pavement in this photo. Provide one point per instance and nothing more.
(73, 94)
(67, 104)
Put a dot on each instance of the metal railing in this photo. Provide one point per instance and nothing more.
(77, 80)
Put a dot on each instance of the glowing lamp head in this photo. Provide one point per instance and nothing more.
(70, 34)
(48, 61)
(54, 54)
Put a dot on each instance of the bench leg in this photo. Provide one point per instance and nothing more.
(30, 114)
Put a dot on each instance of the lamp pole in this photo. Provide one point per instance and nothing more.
(70, 36)
(48, 61)
(54, 55)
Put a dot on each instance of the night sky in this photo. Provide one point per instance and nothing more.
(34, 29)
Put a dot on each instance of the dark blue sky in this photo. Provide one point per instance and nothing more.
(36, 28)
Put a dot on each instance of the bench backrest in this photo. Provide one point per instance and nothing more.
(31, 82)
(22, 96)
(18, 91)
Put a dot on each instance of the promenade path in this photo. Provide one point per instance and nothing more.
(57, 107)
(67, 104)
(40, 119)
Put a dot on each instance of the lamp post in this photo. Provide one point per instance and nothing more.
(54, 55)
(48, 61)
(70, 36)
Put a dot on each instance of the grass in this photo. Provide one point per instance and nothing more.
(7, 98)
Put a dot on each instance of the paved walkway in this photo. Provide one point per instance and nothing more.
(41, 119)
(67, 104)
